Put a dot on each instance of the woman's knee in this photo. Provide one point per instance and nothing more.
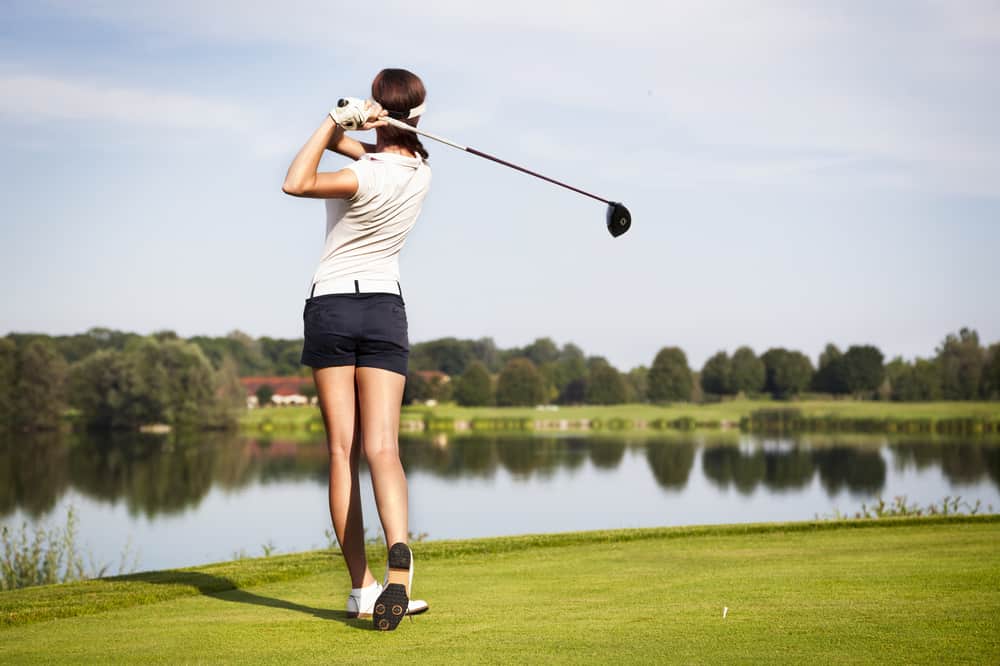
(382, 453)
(341, 447)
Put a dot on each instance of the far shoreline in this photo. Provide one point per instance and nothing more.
(955, 417)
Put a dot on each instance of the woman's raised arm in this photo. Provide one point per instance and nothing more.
(347, 146)
(302, 180)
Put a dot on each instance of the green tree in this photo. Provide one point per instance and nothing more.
(281, 355)
(552, 377)
(748, 373)
(894, 370)
(474, 388)
(230, 396)
(605, 385)
(919, 381)
(76, 347)
(520, 383)
(961, 360)
(39, 390)
(670, 377)
(717, 375)
(101, 387)
(8, 382)
(831, 375)
(788, 373)
(449, 355)
(637, 384)
(575, 392)
(863, 371)
(571, 374)
(991, 372)
(174, 382)
(151, 381)
(416, 388)
(542, 350)
(485, 350)
(264, 394)
(247, 353)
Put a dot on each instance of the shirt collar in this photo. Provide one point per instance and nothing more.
(396, 158)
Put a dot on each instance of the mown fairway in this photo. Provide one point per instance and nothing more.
(899, 591)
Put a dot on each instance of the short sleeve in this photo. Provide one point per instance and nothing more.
(363, 170)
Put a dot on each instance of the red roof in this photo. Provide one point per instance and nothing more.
(430, 375)
(280, 385)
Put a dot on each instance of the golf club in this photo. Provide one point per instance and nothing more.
(618, 218)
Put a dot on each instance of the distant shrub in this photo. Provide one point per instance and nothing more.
(618, 423)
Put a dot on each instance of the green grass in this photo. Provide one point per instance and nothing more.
(732, 411)
(891, 591)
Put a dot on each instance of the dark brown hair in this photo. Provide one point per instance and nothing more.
(400, 90)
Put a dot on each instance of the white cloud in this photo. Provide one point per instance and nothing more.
(31, 96)
(899, 83)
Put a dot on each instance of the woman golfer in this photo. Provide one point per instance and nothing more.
(355, 323)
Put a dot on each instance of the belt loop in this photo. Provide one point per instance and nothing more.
(356, 289)
(312, 291)
(400, 292)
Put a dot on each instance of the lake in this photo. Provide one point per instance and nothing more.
(170, 503)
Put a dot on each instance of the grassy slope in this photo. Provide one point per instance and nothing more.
(896, 592)
(722, 411)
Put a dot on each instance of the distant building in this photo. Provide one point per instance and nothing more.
(287, 390)
(434, 376)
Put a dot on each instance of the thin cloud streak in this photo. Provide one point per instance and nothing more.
(32, 96)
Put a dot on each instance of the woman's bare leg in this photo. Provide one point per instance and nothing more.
(338, 401)
(380, 393)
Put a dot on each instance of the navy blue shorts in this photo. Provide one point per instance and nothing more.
(367, 329)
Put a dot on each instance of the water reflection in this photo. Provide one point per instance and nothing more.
(34, 472)
(961, 462)
(670, 462)
(155, 475)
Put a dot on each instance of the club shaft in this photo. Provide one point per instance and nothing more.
(479, 153)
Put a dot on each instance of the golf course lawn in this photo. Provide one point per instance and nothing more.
(918, 590)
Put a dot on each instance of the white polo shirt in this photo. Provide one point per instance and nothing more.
(365, 233)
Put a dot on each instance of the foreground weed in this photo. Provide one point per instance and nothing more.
(899, 507)
(41, 556)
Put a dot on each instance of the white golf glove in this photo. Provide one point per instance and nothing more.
(350, 113)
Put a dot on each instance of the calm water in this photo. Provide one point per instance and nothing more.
(176, 504)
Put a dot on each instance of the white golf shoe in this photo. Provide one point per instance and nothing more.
(396, 590)
(361, 600)
(360, 604)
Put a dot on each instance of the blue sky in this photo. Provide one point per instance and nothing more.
(798, 173)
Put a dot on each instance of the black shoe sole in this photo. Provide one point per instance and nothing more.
(392, 604)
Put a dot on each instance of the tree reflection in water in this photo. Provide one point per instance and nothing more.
(34, 472)
(671, 462)
(792, 466)
(157, 475)
(960, 461)
(607, 453)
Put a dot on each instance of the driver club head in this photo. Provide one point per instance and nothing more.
(619, 219)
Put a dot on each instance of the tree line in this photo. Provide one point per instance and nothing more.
(124, 381)
(542, 372)
(114, 379)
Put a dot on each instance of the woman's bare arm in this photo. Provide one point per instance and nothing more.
(347, 146)
(302, 180)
